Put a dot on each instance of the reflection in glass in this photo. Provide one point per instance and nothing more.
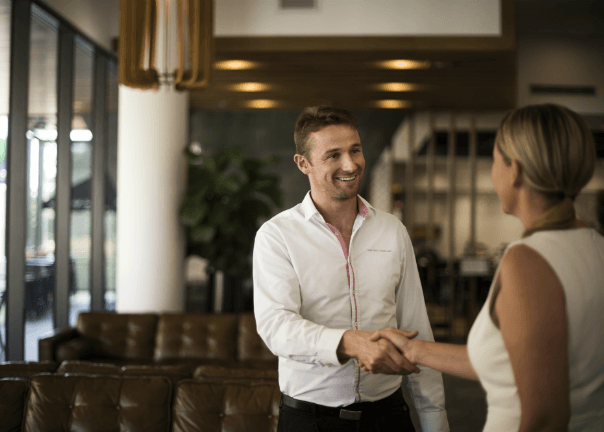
(41, 180)
(110, 208)
(81, 173)
(5, 14)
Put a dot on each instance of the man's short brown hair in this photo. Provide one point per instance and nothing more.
(315, 118)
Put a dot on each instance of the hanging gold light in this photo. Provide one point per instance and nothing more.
(150, 30)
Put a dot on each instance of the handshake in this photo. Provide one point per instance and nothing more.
(385, 351)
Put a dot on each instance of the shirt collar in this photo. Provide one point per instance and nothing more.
(309, 209)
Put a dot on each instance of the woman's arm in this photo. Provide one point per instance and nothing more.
(531, 311)
(447, 358)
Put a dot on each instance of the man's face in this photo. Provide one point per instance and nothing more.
(336, 165)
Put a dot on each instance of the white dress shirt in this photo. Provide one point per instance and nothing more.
(308, 290)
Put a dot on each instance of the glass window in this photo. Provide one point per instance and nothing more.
(5, 17)
(110, 208)
(81, 173)
(41, 180)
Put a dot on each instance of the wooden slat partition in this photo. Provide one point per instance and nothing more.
(473, 282)
(430, 172)
(409, 177)
(473, 145)
(451, 213)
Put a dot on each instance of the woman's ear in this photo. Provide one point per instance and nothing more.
(516, 173)
(302, 163)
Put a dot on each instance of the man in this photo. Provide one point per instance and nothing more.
(329, 272)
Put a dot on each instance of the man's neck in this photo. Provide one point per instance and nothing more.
(340, 214)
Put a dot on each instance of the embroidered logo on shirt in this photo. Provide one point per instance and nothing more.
(379, 250)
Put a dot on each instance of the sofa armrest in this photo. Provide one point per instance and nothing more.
(47, 346)
(78, 348)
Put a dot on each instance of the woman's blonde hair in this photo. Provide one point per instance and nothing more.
(557, 156)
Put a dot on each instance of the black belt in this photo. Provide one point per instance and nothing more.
(350, 412)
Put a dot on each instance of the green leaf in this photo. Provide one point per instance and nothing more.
(193, 212)
(203, 234)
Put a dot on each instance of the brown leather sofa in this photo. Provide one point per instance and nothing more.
(216, 399)
(229, 340)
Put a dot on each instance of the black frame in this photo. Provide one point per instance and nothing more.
(17, 172)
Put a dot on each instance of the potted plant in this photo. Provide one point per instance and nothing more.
(227, 197)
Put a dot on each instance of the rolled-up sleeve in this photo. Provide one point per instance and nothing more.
(425, 388)
(277, 302)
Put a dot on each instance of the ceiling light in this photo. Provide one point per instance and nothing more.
(262, 103)
(404, 64)
(80, 135)
(397, 87)
(46, 134)
(392, 104)
(249, 87)
(235, 65)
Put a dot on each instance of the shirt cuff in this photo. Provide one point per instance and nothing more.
(434, 421)
(328, 346)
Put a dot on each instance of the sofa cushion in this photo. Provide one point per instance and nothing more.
(196, 336)
(218, 373)
(13, 392)
(250, 345)
(129, 336)
(233, 407)
(97, 403)
(77, 348)
(174, 373)
(21, 369)
(91, 368)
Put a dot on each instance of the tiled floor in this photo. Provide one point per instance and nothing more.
(465, 403)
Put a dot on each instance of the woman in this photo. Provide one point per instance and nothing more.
(537, 345)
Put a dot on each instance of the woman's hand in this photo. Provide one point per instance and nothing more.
(400, 338)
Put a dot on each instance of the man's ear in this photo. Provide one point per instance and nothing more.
(517, 173)
(302, 163)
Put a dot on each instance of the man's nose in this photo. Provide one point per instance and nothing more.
(348, 163)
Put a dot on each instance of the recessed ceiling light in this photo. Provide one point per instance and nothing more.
(392, 104)
(262, 103)
(249, 87)
(235, 65)
(397, 87)
(404, 64)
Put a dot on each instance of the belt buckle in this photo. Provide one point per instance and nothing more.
(350, 415)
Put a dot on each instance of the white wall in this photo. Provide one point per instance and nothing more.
(97, 19)
(551, 59)
(359, 17)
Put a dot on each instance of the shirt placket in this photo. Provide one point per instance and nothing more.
(353, 304)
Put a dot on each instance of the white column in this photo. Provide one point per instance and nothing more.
(152, 134)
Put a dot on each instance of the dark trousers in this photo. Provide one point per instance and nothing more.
(386, 415)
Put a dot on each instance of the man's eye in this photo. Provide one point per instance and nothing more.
(333, 156)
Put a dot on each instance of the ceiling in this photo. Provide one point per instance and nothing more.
(459, 73)
(294, 77)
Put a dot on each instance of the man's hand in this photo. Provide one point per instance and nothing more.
(376, 356)
(400, 339)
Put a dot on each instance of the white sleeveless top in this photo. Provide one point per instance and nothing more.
(577, 258)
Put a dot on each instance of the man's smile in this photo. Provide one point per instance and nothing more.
(346, 179)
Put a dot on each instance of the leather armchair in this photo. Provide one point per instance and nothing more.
(191, 340)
